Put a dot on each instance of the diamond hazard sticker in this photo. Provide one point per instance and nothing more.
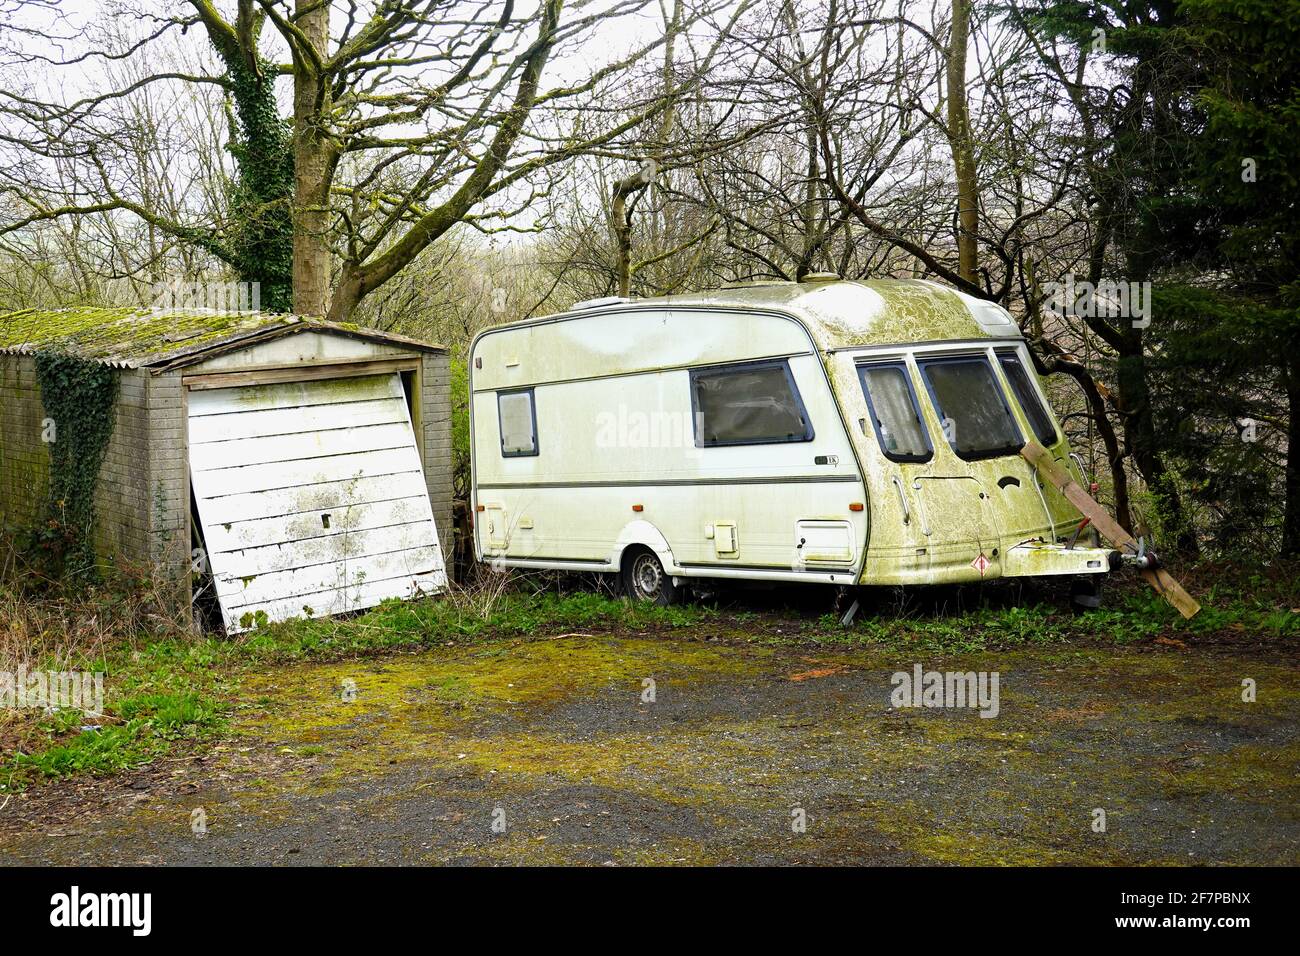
(981, 564)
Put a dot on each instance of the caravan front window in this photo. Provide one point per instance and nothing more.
(894, 413)
(748, 404)
(969, 402)
(1027, 396)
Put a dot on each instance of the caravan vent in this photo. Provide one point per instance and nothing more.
(597, 303)
(992, 318)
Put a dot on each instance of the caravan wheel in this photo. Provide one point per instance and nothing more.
(644, 578)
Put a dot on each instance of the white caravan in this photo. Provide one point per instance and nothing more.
(826, 431)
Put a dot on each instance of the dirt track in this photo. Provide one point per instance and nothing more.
(552, 738)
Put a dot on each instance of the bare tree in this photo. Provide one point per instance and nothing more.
(409, 117)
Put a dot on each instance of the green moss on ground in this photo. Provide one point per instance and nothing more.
(535, 692)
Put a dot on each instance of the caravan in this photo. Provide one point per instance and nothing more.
(823, 431)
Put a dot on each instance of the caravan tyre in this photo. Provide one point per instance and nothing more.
(644, 578)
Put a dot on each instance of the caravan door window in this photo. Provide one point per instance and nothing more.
(971, 406)
(1027, 396)
(518, 418)
(894, 412)
(750, 404)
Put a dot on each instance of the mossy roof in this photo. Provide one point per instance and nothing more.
(140, 338)
(849, 314)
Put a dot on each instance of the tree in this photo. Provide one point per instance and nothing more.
(959, 136)
(261, 236)
(409, 118)
(1134, 125)
(1246, 168)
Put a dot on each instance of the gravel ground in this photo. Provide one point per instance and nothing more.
(559, 751)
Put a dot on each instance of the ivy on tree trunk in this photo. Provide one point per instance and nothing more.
(261, 240)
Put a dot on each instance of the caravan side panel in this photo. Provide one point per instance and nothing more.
(615, 448)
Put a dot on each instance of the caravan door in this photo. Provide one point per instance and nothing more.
(900, 530)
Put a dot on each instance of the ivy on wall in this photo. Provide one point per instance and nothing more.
(80, 398)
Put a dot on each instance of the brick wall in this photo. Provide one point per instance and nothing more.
(435, 420)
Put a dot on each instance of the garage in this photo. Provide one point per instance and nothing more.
(310, 497)
(263, 467)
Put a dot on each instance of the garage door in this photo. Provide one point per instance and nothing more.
(311, 498)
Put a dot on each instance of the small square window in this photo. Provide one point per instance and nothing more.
(518, 420)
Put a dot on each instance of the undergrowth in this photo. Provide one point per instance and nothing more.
(166, 688)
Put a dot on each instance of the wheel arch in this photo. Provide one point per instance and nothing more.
(645, 534)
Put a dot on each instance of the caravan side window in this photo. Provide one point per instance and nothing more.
(1028, 398)
(894, 413)
(750, 404)
(518, 419)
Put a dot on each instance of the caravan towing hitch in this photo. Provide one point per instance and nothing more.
(1074, 538)
(1131, 550)
(1138, 556)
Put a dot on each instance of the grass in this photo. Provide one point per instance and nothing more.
(172, 688)
(1258, 605)
(166, 689)
(398, 625)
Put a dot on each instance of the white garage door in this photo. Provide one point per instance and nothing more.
(311, 497)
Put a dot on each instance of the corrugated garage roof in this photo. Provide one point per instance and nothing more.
(139, 338)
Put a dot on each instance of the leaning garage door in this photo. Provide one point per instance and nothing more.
(311, 498)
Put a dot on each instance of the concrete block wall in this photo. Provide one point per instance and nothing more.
(435, 422)
(24, 457)
(121, 493)
(168, 540)
(141, 502)
(122, 499)
(140, 497)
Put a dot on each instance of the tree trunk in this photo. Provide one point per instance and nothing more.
(622, 226)
(624, 189)
(262, 240)
(621, 222)
(963, 154)
(312, 165)
(1140, 436)
(1291, 516)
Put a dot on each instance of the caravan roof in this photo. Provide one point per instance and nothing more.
(845, 314)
